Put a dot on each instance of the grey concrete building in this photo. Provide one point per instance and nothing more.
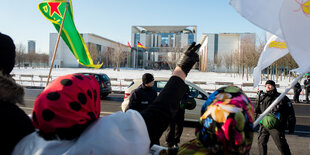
(163, 44)
(216, 47)
(102, 50)
(31, 46)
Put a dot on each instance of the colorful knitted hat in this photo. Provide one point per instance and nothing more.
(226, 123)
(66, 106)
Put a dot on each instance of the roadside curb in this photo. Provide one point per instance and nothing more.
(41, 87)
(34, 87)
(118, 92)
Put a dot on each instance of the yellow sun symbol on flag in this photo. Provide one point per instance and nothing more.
(305, 6)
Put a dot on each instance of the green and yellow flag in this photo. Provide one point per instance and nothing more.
(54, 11)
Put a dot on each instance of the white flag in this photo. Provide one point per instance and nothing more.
(263, 13)
(295, 25)
(274, 49)
(287, 19)
(293, 16)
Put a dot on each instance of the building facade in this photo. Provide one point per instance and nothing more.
(163, 45)
(102, 50)
(219, 50)
(31, 46)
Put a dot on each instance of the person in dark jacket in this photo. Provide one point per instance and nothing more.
(175, 128)
(15, 124)
(307, 88)
(280, 113)
(144, 95)
(164, 108)
(297, 90)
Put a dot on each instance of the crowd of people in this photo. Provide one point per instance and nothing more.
(66, 116)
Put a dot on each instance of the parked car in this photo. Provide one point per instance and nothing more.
(199, 95)
(104, 83)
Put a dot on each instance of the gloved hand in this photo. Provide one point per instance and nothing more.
(189, 58)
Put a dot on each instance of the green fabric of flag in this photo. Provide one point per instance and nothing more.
(54, 11)
(270, 122)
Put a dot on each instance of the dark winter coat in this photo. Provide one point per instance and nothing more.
(297, 87)
(141, 98)
(285, 108)
(159, 114)
(307, 84)
(15, 124)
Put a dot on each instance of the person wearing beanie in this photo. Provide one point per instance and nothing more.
(297, 89)
(307, 88)
(282, 116)
(15, 124)
(148, 79)
(272, 83)
(144, 95)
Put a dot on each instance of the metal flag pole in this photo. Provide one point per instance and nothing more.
(56, 46)
(275, 102)
(137, 56)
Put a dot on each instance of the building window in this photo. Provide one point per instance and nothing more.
(99, 48)
(165, 39)
(137, 39)
(190, 38)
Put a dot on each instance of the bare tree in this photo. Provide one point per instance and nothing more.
(172, 56)
(248, 55)
(44, 59)
(218, 61)
(250, 61)
(236, 60)
(20, 54)
(290, 63)
(119, 55)
(107, 56)
(31, 58)
(228, 61)
(94, 52)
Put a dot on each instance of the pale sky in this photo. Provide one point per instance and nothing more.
(22, 20)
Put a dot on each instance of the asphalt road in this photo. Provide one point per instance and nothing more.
(299, 142)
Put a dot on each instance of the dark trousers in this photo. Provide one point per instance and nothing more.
(160, 113)
(296, 96)
(175, 129)
(307, 95)
(277, 136)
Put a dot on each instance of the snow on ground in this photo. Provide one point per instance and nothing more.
(128, 73)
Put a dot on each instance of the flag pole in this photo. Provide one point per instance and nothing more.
(56, 46)
(275, 102)
(137, 56)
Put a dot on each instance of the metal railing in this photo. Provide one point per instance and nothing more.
(119, 84)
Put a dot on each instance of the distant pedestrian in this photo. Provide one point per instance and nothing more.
(297, 90)
(307, 88)
(144, 95)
